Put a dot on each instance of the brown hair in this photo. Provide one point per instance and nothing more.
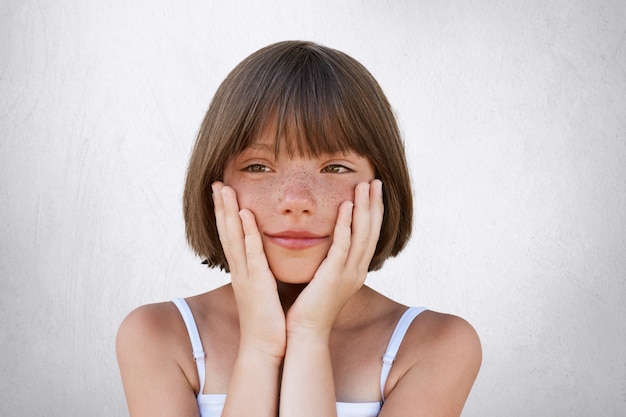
(320, 100)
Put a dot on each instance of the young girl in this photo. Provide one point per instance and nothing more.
(297, 186)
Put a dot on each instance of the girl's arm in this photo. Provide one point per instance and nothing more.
(307, 387)
(253, 388)
(155, 383)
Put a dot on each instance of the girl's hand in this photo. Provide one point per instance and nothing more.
(344, 270)
(261, 317)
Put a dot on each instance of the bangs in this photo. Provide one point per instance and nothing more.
(308, 116)
(307, 104)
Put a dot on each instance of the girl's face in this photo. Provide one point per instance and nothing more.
(295, 201)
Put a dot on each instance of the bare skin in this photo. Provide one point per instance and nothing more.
(298, 234)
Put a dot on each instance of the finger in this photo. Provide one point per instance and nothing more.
(218, 208)
(361, 222)
(340, 248)
(376, 211)
(232, 237)
(255, 255)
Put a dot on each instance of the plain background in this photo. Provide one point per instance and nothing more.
(514, 115)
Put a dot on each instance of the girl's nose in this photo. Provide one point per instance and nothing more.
(296, 196)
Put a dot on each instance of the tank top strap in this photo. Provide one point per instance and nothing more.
(394, 344)
(194, 336)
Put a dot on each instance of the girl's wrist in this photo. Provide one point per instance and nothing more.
(297, 333)
(263, 352)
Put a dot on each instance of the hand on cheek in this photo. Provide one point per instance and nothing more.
(261, 316)
(344, 270)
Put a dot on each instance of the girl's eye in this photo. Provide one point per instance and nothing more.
(256, 168)
(335, 169)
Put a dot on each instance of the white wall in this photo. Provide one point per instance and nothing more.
(514, 116)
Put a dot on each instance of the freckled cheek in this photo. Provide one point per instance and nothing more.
(250, 197)
(332, 197)
(337, 194)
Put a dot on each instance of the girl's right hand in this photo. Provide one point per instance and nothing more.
(261, 316)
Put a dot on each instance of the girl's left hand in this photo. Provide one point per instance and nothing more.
(345, 268)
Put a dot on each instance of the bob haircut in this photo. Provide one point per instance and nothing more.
(319, 100)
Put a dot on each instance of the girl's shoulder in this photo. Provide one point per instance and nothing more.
(434, 328)
(439, 357)
(439, 335)
(430, 332)
(151, 323)
(153, 337)
(154, 334)
(161, 325)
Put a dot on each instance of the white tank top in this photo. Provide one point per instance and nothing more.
(211, 405)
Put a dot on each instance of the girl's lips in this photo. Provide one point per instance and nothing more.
(296, 239)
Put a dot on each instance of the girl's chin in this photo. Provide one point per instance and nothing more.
(299, 272)
(291, 277)
(293, 280)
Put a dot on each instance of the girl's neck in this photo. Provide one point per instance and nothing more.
(288, 293)
(355, 311)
